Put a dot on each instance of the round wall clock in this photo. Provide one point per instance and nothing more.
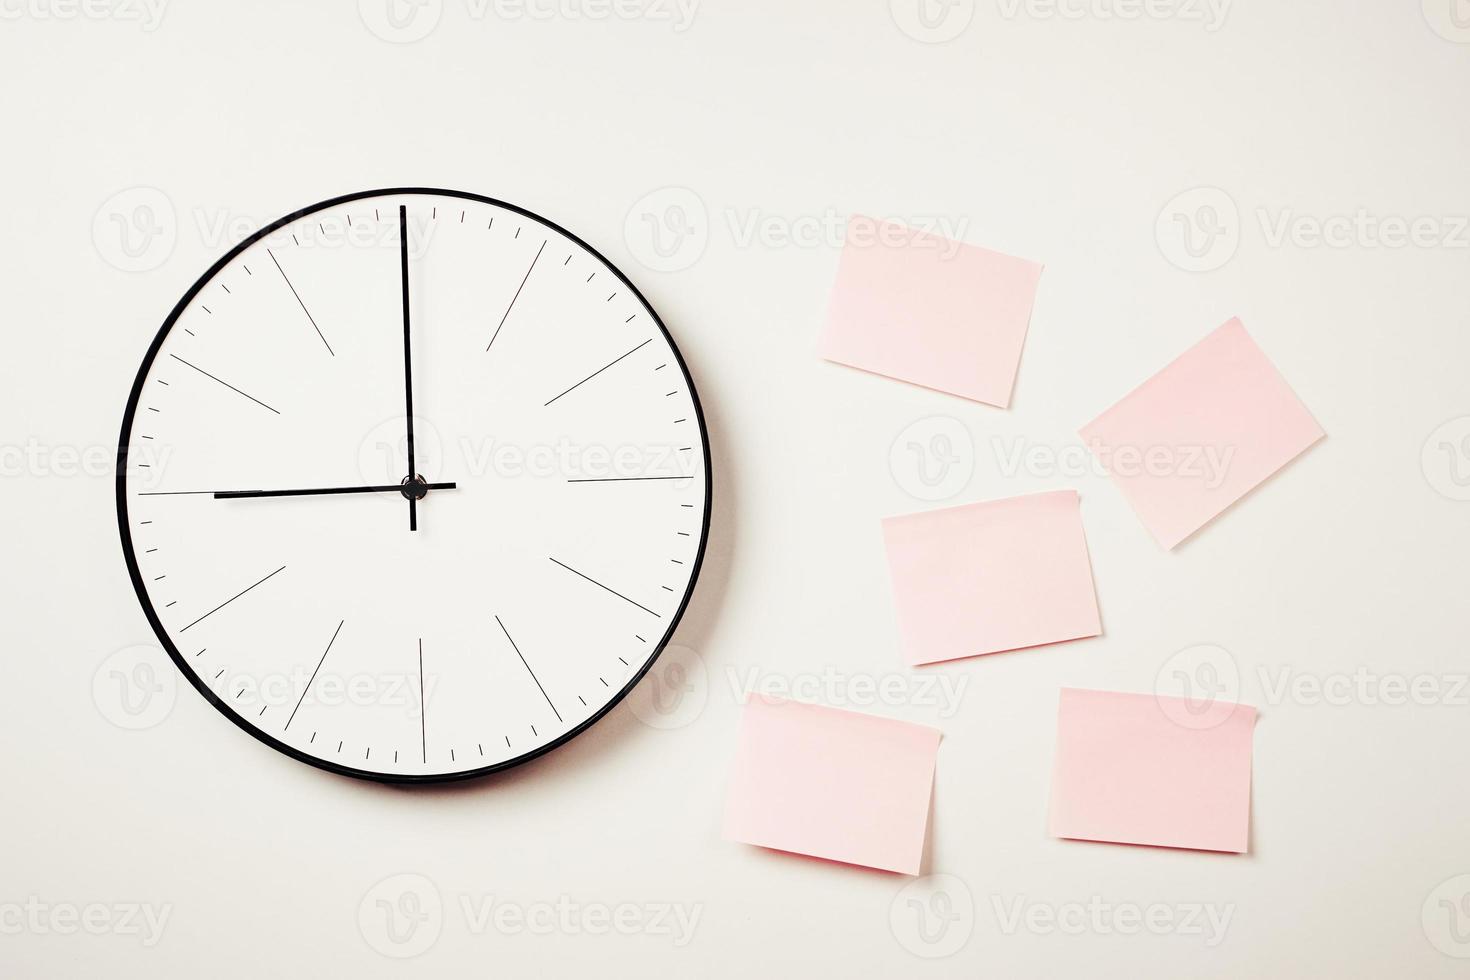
(413, 485)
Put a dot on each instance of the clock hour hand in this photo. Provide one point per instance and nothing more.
(412, 489)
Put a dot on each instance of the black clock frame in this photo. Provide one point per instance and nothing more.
(135, 574)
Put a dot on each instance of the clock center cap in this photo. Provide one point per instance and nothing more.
(414, 488)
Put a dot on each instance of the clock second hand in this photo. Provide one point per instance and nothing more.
(413, 513)
(387, 488)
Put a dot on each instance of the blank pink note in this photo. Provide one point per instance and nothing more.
(999, 575)
(1201, 434)
(832, 784)
(929, 310)
(1140, 769)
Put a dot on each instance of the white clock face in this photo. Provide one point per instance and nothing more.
(423, 620)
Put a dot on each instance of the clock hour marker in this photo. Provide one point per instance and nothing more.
(423, 721)
(600, 370)
(623, 479)
(605, 588)
(518, 293)
(528, 668)
(314, 673)
(299, 300)
(232, 599)
(223, 382)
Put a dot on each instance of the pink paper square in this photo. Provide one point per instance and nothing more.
(832, 784)
(1140, 769)
(925, 309)
(992, 576)
(1201, 434)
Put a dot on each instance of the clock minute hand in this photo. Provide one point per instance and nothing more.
(413, 513)
(408, 489)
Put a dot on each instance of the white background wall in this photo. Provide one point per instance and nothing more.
(1062, 134)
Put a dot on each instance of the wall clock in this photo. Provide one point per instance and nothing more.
(413, 485)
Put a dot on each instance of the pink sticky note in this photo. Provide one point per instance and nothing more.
(832, 784)
(925, 309)
(992, 576)
(1140, 769)
(1201, 434)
